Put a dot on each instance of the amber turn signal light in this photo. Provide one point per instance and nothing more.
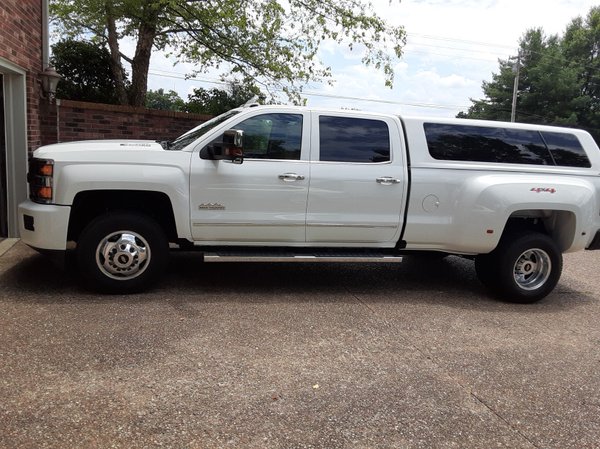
(46, 170)
(44, 193)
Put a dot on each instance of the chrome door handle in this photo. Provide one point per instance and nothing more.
(387, 180)
(290, 177)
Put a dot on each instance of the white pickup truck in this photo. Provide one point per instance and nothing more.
(264, 183)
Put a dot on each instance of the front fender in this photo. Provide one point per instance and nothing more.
(170, 180)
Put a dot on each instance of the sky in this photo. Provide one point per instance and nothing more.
(452, 47)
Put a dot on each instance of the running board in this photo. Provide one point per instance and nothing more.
(253, 257)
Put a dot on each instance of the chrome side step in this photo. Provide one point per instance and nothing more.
(217, 257)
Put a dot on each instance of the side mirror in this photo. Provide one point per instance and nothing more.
(231, 148)
(233, 145)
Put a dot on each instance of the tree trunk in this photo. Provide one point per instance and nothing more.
(141, 63)
(115, 55)
(151, 11)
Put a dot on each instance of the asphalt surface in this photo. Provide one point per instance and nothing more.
(411, 355)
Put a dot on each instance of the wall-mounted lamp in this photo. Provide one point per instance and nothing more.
(50, 79)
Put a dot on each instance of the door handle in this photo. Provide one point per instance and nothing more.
(387, 180)
(291, 177)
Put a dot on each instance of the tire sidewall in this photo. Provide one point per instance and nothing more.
(112, 222)
(506, 257)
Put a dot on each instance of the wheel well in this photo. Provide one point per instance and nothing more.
(91, 204)
(560, 225)
(518, 224)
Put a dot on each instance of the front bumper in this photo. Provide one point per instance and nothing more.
(44, 226)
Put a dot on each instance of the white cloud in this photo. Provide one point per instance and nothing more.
(453, 45)
(451, 81)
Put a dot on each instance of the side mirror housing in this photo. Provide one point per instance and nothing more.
(230, 149)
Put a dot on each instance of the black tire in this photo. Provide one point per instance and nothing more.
(122, 252)
(429, 256)
(522, 269)
(486, 271)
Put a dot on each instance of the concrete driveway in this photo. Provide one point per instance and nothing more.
(263, 356)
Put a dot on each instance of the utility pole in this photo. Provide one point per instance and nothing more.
(516, 70)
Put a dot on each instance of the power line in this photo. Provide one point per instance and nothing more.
(464, 41)
(375, 100)
(449, 55)
(450, 48)
(183, 76)
(477, 43)
(317, 94)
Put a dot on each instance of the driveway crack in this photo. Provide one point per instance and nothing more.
(442, 370)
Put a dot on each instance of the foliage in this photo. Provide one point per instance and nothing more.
(274, 42)
(167, 101)
(87, 77)
(559, 80)
(216, 101)
(84, 67)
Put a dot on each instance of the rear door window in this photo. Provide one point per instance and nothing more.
(349, 139)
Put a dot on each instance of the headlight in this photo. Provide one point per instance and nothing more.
(40, 179)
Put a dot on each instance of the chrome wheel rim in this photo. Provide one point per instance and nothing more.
(123, 255)
(532, 269)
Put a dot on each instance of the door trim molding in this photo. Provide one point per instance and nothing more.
(15, 124)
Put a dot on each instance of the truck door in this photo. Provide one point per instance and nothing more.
(358, 180)
(262, 200)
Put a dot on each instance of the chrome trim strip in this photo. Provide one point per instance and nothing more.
(248, 224)
(340, 225)
(313, 225)
(229, 241)
(211, 257)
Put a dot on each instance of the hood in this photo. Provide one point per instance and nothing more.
(95, 146)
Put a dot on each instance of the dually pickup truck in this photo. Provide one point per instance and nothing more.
(279, 183)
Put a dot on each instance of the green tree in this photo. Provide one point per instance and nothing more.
(548, 86)
(559, 82)
(274, 42)
(216, 101)
(581, 47)
(85, 71)
(167, 101)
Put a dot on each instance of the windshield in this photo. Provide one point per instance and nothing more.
(187, 138)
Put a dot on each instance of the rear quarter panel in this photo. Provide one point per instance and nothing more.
(463, 207)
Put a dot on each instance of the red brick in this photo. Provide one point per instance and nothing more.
(80, 121)
(21, 44)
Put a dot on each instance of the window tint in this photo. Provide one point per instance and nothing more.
(486, 144)
(566, 149)
(346, 139)
(272, 136)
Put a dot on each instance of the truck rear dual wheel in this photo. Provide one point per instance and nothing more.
(523, 268)
(122, 252)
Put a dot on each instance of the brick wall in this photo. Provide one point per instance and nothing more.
(21, 44)
(79, 120)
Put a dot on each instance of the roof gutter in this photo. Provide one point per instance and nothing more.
(45, 35)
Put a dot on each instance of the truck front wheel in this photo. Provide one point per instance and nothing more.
(122, 252)
(523, 268)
